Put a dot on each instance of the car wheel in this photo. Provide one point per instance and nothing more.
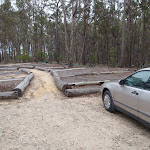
(108, 101)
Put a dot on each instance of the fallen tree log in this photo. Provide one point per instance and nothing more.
(80, 74)
(8, 69)
(70, 69)
(25, 66)
(83, 91)
(22, 66)
(95, 73)
(26, 71)
(22, 86)
(87, 83)
(59, 83)
(120, 72)
(9, 95)
(14, 79)
(42, 69)
(18, 64)
(4, 66)
(55, 67)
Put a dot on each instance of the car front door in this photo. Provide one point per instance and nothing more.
(127, 95)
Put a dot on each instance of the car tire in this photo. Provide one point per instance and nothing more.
(108, 101)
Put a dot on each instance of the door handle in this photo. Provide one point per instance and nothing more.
(134, 92)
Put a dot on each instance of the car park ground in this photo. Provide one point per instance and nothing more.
(44, 118)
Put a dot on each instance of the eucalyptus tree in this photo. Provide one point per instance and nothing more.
(74, 7)
(6, 24)
(145, 28)
(86, 21)
(55, 6)
(123, 37)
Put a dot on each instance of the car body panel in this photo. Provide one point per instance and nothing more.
(126, 99)
(111, 86)
(144, 106)
(133, 101)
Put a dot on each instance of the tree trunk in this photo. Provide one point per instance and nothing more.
(57, 34)
(122, 58)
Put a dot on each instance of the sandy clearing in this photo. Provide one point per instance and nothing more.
(44, 119)
(12, 74)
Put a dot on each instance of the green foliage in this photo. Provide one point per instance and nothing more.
(92, 58)
(41, 56)
(23, 58)
(27, 26)
(61, 57)
(112, 54)
(54, 55)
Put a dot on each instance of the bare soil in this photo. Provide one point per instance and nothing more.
(100, 77)
(10, 85)
(45, 119)
(12, 74)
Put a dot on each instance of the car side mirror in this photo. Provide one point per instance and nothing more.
(122, 82)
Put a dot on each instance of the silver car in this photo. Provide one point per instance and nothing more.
(130, 95)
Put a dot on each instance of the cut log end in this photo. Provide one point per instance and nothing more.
(66, 86)
(9, 95)
(19, 92)
(22, 86)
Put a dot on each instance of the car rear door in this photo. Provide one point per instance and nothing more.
(144, 103)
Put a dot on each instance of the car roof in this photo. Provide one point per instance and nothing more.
(144, 69)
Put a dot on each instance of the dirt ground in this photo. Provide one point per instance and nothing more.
(45, 119)
(6, 86)
(100, 77)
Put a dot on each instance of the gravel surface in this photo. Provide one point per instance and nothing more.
(45, 119)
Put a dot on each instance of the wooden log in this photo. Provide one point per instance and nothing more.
(85, 74)
(22, 86)
(83, 91)
(70, 69)
(14, 79)
(26, 63)
(18, 64)
(8, 69)
(25, 66)
(4, 66)
(115, 72)
(80, 74)
(87, 83)
(22, 66)
(59, 83)
(95, 73)
(42, 69)
(54, 67)
(26, 71)
(9, 95)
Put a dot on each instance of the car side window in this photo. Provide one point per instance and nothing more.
(139, 79)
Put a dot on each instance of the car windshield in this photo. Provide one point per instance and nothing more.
(139, 79)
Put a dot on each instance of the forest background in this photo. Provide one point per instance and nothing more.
(108, 32)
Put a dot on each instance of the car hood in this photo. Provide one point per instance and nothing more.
(111, 83)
